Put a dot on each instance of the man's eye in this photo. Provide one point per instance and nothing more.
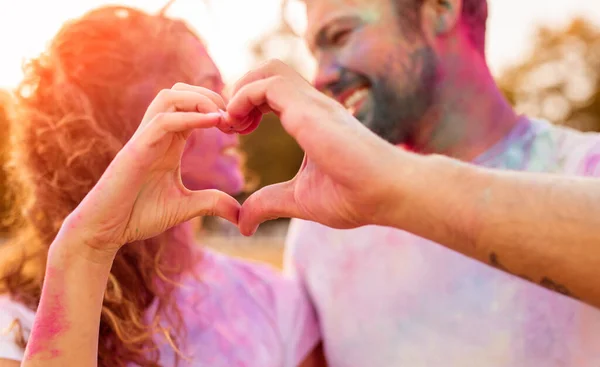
(340, 37)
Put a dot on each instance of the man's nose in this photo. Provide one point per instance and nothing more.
(327, 74)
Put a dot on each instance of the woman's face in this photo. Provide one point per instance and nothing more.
(210, 159)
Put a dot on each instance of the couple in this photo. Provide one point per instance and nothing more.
(409, 71)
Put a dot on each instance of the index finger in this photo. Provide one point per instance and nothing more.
(212, 95)
(168, 100)
(267, 70)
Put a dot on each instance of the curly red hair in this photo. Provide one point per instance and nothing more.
(78, 104)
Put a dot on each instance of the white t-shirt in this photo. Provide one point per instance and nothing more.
(239, 314)
(387, 298)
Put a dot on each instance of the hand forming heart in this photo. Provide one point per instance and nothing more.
(141, 193)
(338, 184)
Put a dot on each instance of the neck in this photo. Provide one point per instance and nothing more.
(470, 114)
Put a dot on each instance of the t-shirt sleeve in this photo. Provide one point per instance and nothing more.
(292, 256)
(10, 312)
(589, 159)
(293, 270)
(297, 322)
(292, 313)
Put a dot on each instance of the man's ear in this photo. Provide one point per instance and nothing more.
(445, 15)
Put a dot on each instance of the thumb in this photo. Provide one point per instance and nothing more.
(211, 203)
(270, 202)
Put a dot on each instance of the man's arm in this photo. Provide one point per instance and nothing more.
(541, 227)
(65, 330)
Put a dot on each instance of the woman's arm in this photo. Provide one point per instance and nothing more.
(139, 196)
(66, 327)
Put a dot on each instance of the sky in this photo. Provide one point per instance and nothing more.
(229, 27)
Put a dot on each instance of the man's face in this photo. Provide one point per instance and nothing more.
(373, 58)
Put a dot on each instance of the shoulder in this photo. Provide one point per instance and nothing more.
(15, 320)
(307, 240)
(260, 283)
(577, 152)
(219, 270)
(304, 241)
(306, 231)
(302, 233)
(252, 298)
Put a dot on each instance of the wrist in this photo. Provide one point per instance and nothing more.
(407, 178)
(438, 198)
(72, 245)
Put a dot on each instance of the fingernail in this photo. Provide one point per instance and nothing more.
(222, 113)
(214, 114)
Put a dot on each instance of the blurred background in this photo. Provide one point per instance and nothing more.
(545, 55)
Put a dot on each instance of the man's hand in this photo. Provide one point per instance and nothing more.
(346, 178)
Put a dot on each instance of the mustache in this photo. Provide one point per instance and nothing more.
(347, 79)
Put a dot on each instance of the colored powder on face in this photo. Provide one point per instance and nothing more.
(370, 15)
(50, 320)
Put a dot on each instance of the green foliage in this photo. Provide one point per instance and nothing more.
(272, 155)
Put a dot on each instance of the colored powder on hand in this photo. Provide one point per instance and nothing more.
(50, 320)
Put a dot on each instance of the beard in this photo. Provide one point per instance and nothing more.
(398, 97)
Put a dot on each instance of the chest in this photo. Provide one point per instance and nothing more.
(387, 298)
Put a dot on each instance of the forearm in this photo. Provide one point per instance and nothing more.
(543, 228)
(66, 327)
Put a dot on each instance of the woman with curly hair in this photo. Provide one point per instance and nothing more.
(103, 269)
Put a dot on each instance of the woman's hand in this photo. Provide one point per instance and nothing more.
(141, 193)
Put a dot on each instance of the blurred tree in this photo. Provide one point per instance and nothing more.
(272, 155)
(560, 79)
(5, 197)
